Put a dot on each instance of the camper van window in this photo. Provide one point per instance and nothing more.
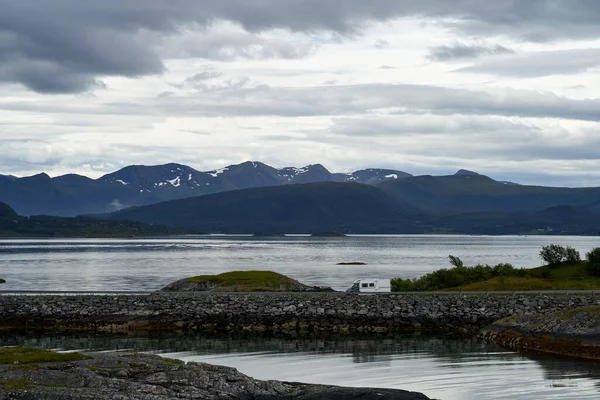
(364, 285)
(371, 285)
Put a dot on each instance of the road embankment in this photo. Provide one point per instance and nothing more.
(278, 313)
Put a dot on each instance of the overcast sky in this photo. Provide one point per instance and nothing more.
(507, 88)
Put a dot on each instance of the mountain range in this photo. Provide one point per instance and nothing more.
(253, 197)
(71, 194)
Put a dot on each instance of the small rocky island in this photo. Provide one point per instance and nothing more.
(328, 234)
(268, 234)
(27, 373)
(242, 281)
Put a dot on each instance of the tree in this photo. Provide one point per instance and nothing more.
(457, 262)
(553, 254)
(572, 256)
(593, 258)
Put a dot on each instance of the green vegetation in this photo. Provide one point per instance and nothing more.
(593, 258)
(569, 274)
(555, 254)
(31, 355)
(17, 384)
(248, 281)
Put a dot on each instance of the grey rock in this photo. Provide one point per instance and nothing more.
(149, 377)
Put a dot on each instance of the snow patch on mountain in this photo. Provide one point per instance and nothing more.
(217, 172)
(392, 176)
(122, 182)
(175, 182)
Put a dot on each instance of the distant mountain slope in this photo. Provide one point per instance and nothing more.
(70, 195)
(465, 193)
(560, 220)
(315, 207)
(14, 225)
(348, 208)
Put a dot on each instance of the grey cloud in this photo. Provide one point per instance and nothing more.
(360, 99)
(461, 51)
(71, 44)
(459, 136)
(542, 63)
(228, 42)
(382, 43)
(203, 76)
(245, 98)
(475, 127)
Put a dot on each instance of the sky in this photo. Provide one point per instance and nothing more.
(505, 88)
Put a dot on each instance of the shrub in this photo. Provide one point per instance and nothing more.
(593, 258)
(503, 270)
(553, 254)
(572, 256)
(402, 285)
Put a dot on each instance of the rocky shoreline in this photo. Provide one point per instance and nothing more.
(572, 333)
(136, 376)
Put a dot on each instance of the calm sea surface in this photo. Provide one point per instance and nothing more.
(149, 264)
(441, 367)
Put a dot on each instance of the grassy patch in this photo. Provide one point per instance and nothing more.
(246, 281)
(30, 355)
(171, 362)
(506, 283)
(591, 311)
(17, 384)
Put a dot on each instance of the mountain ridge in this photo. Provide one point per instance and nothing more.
(136, 185)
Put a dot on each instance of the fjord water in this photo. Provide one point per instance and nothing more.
(441, 367)
(149, 264)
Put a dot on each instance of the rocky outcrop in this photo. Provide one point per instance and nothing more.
(300, 313)
(140, 376)
(185, 285)
(574, 333)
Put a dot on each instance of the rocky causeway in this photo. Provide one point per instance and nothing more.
(278, 313)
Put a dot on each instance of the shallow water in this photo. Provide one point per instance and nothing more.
(441, 367)
(149, 264)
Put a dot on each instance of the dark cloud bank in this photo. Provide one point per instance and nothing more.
(64, 46)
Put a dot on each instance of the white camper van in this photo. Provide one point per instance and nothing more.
(371, 285)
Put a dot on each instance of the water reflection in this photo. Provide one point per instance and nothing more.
(440, 366)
